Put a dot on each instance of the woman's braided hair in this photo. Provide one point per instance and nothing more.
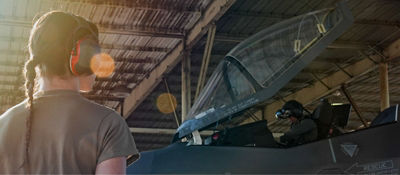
(50, 44)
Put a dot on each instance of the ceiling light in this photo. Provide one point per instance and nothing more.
(337, 104)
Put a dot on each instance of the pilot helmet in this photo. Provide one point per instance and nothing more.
(290, 108)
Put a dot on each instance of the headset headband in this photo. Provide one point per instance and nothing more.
(85, 26)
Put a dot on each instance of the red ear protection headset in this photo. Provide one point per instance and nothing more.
(84, 48)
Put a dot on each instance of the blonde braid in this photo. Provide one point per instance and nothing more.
(30, 75)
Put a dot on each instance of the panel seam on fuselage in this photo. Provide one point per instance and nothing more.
(332, 151)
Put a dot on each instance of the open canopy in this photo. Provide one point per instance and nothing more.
(258, 67)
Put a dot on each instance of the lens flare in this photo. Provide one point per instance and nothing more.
(102, 65)
(166, 103)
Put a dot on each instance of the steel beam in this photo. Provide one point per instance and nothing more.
(206, 59)
(214, 11)
(384, 85)
(185, 85)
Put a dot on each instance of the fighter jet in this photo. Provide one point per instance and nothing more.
(250, 74)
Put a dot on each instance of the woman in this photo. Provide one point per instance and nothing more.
(56, 130)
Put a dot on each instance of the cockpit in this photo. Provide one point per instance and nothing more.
(230, 110)
(257, 68)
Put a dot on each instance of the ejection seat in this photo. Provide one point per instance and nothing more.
(386, 116)
(323, 117)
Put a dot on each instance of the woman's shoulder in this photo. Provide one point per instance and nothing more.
(17, 110)
(93, 107)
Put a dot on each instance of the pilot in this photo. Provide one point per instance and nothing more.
(302, 130)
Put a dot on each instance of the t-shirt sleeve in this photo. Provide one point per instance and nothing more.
(115, 139)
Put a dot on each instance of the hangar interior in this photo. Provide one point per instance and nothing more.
(173, 46)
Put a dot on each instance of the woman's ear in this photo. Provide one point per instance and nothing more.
(86, 82)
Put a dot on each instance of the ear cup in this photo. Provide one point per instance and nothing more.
(81, 55)
(75, 53)
(85, 46)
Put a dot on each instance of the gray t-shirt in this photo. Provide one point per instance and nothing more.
(70, 134)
